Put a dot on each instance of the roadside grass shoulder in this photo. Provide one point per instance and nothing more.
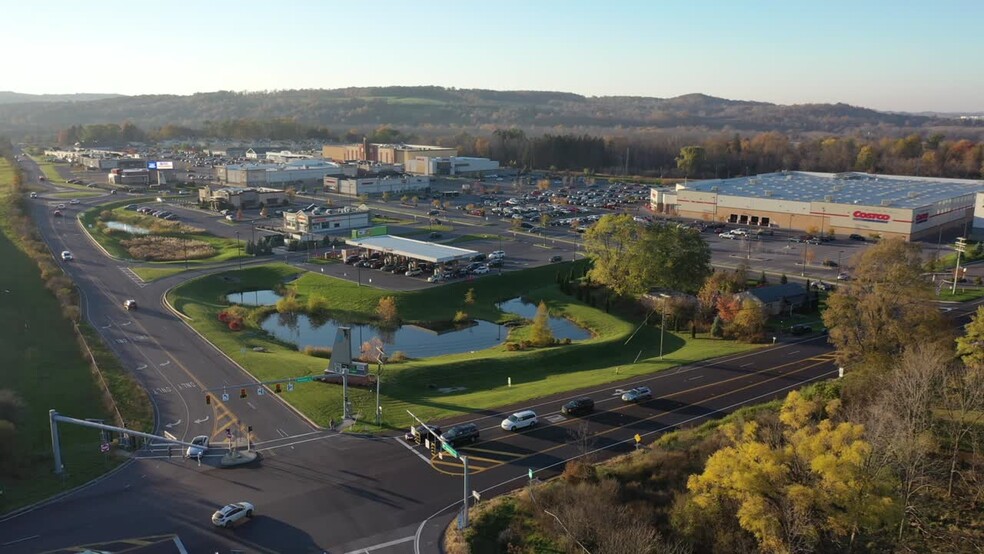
(80, 194)
(149, 274)
(450, 385)
(963, 294)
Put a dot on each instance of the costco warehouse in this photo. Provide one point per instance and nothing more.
(913, 208)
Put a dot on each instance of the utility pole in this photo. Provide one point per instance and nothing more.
(239, 251)
(960, 247)
(379, 384)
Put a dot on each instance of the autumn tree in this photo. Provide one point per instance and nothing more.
(798, 486)
(887, 303)
(748, 324)
(970, 346)
(691, 159)
(611, 243)
(470, 297)
(386, 311)
(540, 332)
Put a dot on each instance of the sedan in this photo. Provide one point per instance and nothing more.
(66, 255)
(231, 513)
(200, 447)
(413, 272)
(637, 394)
(73, 201)
(728, 235)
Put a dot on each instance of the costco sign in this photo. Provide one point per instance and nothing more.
(873, 217)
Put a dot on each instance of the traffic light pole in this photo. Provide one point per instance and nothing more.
(463, 524)
(463, 516)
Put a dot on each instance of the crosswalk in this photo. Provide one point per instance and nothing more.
(133, 277)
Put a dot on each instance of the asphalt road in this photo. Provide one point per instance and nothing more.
(316, 490)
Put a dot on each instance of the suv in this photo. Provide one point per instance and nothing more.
(637, 394)
(519, 420)
(419, 433)
(800, 329)
(130, 304)
(856, 237)
(578, 406)
(460, 434)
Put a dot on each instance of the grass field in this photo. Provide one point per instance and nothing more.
(153, 273)
(40, 361)
(963, 294)
(81, 194)
(478, 379)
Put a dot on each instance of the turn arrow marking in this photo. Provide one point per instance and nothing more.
(141, 366)
(202, 420)
(169, 425)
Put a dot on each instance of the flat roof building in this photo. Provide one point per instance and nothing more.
(305, 224)
(829, 203)
(415, 249)
(297, 172)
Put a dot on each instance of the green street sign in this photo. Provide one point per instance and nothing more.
(447, 447)
(530, 473)
(303, 379)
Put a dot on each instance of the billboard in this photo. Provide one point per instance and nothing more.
(160, 165)
(369, 232)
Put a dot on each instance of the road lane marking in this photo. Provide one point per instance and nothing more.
(490, 451)
(695, 377)
(382, 545)
(412, 449)
(250, 404)
(746, 365)
(793, 352)
(32, 537)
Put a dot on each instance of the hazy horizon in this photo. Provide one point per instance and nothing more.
(879, 55)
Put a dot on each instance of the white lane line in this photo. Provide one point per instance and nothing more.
(793, 352)
(179, 545)
(381, 545)
(746, 365)
(696, 377)
(282, 433)
(250, 404)
(291, 444)
(412, 449)
(32, 537)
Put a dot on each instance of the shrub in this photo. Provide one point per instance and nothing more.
(318, 351)
(236, 325)
(579, 471)
(398, 356)
(512, 347)
(461, 317)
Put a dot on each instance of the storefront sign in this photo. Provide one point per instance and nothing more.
(922, 218)
(873, 217)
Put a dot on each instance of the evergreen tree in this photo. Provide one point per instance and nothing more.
(540, 332)
(717, 327)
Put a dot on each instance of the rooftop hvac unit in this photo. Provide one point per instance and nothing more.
(768, 193)
(886, 202)
(828, 198)
(912, 194)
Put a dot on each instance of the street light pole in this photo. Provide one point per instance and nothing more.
(379, 384)
(662, 323)
(239, 251)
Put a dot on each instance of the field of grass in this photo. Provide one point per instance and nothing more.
(50, 173)
(85, 193)
(963, 294)
(154, 273)
(225, 249)
(40, 361)
(478, 379)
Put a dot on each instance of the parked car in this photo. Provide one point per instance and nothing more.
(795, 239)
(555, 259)
(478, 257)
(843, 276)
(56, 213)
(61, 206)
(856, 237)
(387, 268)
(497, 254)
(413, 272)
(130, 304)
(200, 448)
(497, 262)
(66, 255)
(229, 514)
(728, 235)
(461, 434)
(578, 406)
(637, 394)
(435, 278)
(800, 329)
(519, 420)
(74, 201)
(481, 270)
(419, 433)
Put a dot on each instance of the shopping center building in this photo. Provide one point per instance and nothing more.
(913, 208)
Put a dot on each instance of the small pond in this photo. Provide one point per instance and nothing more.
(127, 228)
(254, 298)
(562, 328)
(413, 340)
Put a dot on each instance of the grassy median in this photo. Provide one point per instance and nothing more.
(450, 385)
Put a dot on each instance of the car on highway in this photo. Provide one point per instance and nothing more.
(727, 235)
(555, 259)
(461, 434)
(66, 255)
(578, 406)
(856, 237)
(56, 213)
(200, 447)
(61, 206)
(419, 433)
(229, 514)
(843, 276)
(497, 254)
(74, 201)
(435, 235)
(519, 420)
(34, 195)
(130, 304)
(433, 212)
(637, 394)
(800, 329)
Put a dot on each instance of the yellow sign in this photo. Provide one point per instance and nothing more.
(638, 438)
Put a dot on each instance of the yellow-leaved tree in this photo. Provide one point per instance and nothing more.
(803, 486)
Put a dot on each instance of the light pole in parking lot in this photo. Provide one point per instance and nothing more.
(239, 251)
(662, 322)
(839, 252)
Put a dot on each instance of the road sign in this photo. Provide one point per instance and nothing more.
(304, 379)
(638, 438)
(449, 449)
(104, 447)
(530, 473)
(225, 397)
(477, 496)
(290, 386)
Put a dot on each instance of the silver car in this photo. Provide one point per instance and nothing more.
(200, 448)
(231, 513)
(637, 394)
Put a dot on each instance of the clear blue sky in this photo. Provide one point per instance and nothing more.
(889, 55)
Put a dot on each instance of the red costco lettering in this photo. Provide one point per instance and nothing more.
(922, 218)
(871, 216)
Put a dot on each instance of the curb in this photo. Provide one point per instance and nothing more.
(52, 499)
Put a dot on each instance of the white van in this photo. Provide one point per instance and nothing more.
(520, 420)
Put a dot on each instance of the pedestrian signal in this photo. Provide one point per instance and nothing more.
(242, 393)
(208, 399)
(277, 388)
(433, 445)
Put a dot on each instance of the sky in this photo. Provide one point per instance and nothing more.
(896, 55)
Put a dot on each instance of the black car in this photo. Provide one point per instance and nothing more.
(435, 235)
(352, 259)
(419, 433)
(800, 329)
(478, 257)
(555, 259)
(856, 237)
(578, 406)
(495, 263)
(461, 434)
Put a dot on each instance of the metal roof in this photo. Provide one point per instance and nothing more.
(416, 249)
(842, 188)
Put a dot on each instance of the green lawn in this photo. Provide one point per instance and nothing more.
(84, 193)
(226, 249)
(153, 273)
(50, 173)
(479, 236)
(481, 377)
(963, 294)
(41, 362)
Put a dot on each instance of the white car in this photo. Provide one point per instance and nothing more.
(413, 272)
(481, 270)
(728, 235)
(231, 513)
(637, 394)
(497, 254)
(520, 420)
(73, 201)
(435, 279)
(66, 255)
(200, 448)
(842, 276)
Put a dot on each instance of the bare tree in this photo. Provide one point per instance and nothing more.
(962, 412)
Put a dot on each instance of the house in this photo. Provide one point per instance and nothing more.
(777, 298)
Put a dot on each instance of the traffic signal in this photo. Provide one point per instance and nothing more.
(277, 389)
(249, 428)
(208, 399)
(433, 445)
(242, 393)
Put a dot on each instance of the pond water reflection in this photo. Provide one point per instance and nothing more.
(127, 228)
(254, 298)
